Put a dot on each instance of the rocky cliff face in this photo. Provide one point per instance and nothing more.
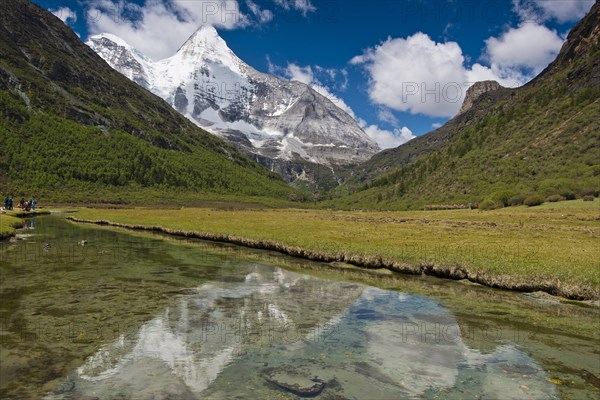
(583, 40)
(277, 121)
(475, 91)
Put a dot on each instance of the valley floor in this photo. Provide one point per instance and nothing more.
(552, 248)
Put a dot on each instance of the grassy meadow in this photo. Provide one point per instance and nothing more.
(7, 225)
(553, 247)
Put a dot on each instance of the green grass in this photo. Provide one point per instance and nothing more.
(554, 244)
(7, 225)
(572, 205)
(133, 196)
(17, 212)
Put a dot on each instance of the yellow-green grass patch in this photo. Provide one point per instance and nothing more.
(550, 248)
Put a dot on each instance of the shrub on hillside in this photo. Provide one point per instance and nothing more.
(554, 198)
(569, 195)
(502, 197)
(517, 200)
(549, 187)
(533, 200)
(588, 198)
(590, 192)
(489, 204)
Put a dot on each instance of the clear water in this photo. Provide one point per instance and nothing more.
(148, 317)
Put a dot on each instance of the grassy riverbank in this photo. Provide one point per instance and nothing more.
(10, 220)
(7, 225)
(553, 247)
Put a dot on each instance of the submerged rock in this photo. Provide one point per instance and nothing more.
(289, 384)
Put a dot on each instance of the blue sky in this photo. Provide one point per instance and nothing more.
(400, 67)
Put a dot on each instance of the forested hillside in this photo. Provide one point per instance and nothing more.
(72, 126)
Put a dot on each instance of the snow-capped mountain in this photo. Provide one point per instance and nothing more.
(261, 114)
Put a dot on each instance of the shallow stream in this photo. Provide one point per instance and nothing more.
(140, 316)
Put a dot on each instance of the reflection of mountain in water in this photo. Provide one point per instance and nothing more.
(185, 349)
(416, 346)
(226, 337)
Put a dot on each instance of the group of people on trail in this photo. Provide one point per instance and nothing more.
(23, 204)
(8, 203)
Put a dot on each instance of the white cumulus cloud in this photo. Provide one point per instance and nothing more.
(387, 139)
(159, 28)
(301, 74)
(417, 75)
(420, 76)
(65, 14)
(530, 46)
(385, 115)
(559, 10)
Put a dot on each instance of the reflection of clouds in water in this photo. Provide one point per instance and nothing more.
(426, 355)
(511, 374)
(403, 297)
(394, 346)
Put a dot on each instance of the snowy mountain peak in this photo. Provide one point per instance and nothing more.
(206, 44)
(206, 33)
(261, 114)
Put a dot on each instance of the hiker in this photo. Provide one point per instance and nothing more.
(10, 203)
(33, 203)
(22, 203)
